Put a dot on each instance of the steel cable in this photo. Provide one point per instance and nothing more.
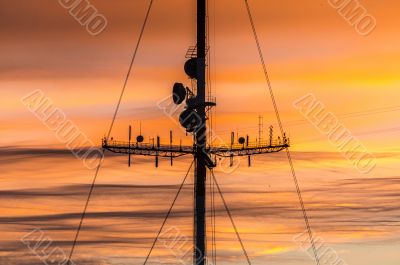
(298, 190)
(109, 133)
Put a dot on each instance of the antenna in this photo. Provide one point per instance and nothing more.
(158, 147)
(248, 157)
(140, 138)
(129, 143)
(271, 134)
(193, 120)
(170, 144)
(260, 128)
(232, 142)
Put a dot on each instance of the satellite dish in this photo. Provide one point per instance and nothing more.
(189, 119)
(191, 68)
(178, 93)
(140, 139)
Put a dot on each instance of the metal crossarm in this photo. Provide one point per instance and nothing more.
(240, 150)
(147, 149)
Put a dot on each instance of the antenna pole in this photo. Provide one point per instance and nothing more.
(201, 140)
(260, 128)
(130, 138)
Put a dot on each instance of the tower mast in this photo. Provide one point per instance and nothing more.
(193, 119)
(201, 140)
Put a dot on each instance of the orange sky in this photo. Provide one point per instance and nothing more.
(312, 51)
(308, 47)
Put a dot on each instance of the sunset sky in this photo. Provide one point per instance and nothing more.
(309, 48)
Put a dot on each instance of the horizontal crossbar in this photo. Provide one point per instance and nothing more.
(147, 149)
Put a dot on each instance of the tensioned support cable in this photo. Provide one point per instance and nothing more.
(214, 244)
(298, 190)
(131, 65)
(212, 221)
(230, 217)
(168, 213)
(109, 133)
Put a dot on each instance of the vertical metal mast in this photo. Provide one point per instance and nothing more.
(201, 140)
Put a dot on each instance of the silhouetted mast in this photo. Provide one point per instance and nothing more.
(201, 139)
(193, 119)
